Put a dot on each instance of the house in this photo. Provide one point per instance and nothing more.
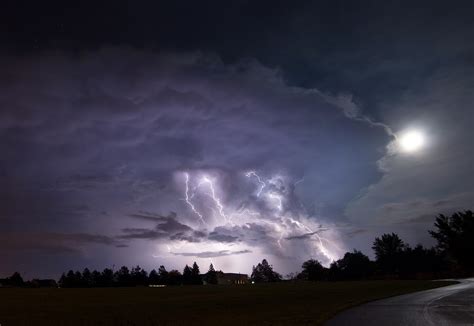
(232, 278)
(4, 282)
(46, 283)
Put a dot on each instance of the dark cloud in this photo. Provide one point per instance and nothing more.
(151, 216)
(140, 233)
(171, 226)
(51, 243)
(211, 254)
(195, 236)
(250, 233)
(167, 227)
(215, 236)
(304, 236)
(114, 128)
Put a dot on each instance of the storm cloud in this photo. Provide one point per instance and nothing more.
(280, 144)
(115, 128)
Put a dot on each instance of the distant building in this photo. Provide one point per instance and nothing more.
(4, 282)
(46, 283)
(232, 278)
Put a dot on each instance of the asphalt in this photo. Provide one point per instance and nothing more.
(449, 305)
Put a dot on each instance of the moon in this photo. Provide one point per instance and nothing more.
(411, 141)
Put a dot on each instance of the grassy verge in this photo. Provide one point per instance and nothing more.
(266, 304)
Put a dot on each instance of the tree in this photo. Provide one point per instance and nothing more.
(138, 276)
(86, 278)
(70, 279)
(122, 276)
(312, 271)
(354, 265)
(78, 281)
(16, 280)
(187, 275)
(107, 278)
(263, 272)
(63, 281)
(334, 273)
(96, 278)
(211, 275)
(196, 275)
(421, 262)
(175, 277)
(455, 237)
(163, 275)
(153, 277)
(388, 250)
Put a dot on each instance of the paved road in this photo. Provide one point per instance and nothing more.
(449, 305)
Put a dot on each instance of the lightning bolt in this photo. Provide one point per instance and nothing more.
(323, 249)
(298, 181)
(188, 200)
(262, 184)
(299, 224)
(269, 191)
(321, 246)
(279, 206)
(243, 212)
(205, 180)
(279, 229)
(216, 199)
(272, 195)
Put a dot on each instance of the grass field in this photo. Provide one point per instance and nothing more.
(263, 304)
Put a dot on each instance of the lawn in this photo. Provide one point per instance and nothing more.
(262, 304)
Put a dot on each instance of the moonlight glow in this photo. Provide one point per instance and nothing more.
(411, 141)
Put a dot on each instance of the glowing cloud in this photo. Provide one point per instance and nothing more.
(265, 221)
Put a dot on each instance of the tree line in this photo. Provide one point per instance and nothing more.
(137, 276)
(450, 257)
(394, 259)
(123, 277)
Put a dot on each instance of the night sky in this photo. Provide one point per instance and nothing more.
(167, 132)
